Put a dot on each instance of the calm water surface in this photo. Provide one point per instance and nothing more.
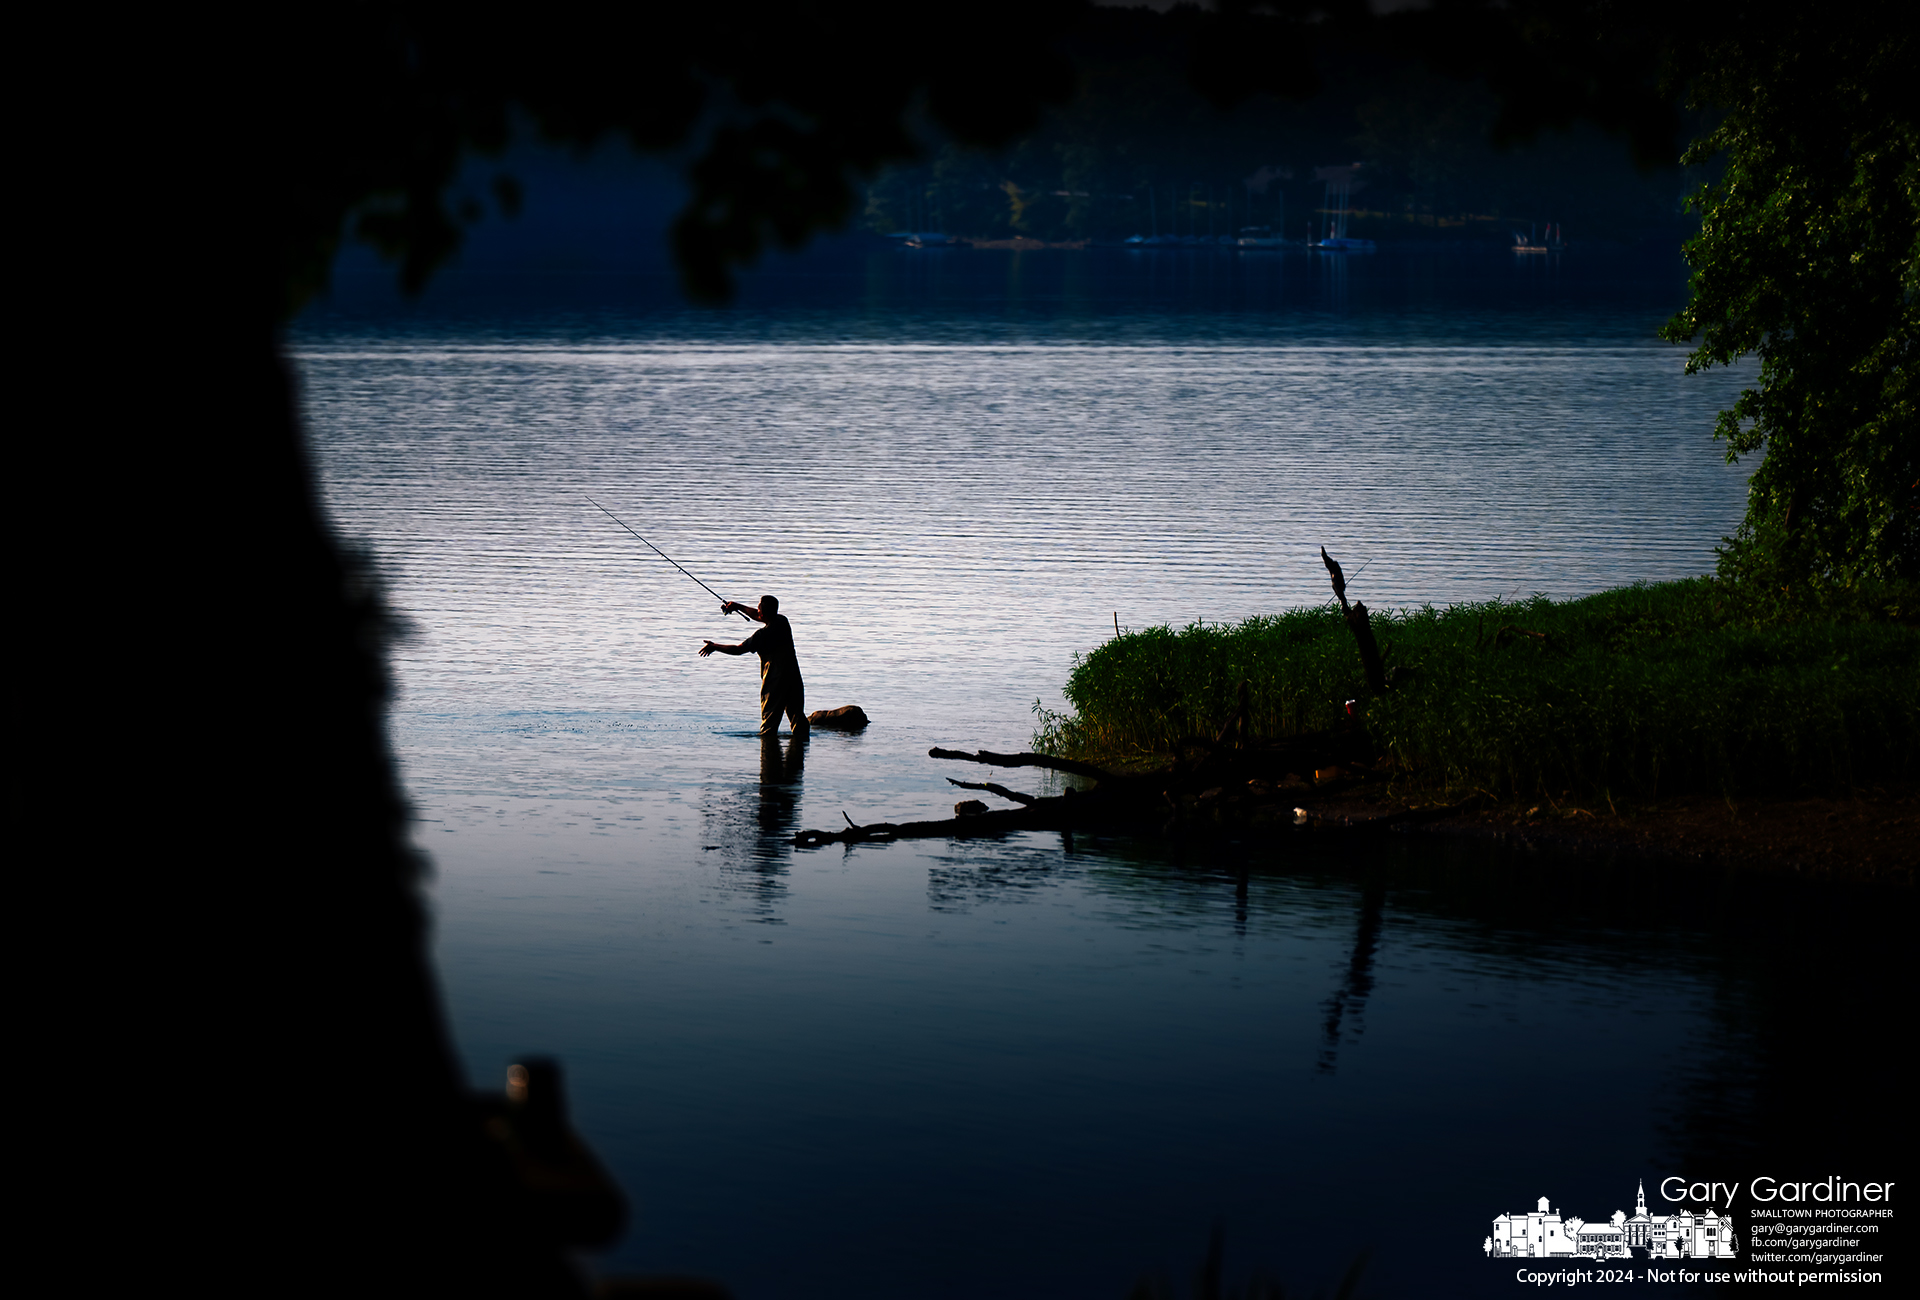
(1032, 1067)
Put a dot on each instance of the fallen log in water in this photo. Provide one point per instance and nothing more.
(1266, 814)
(1255, 791)
(992, 759)
(1242, 786)
(1040, 815)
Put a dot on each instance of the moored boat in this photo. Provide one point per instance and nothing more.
(1343, 244)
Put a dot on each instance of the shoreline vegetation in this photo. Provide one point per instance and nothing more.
(1641, 717)
(1636, 692)
(1704, 721)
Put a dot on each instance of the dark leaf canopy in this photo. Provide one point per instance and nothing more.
(1808, 258)
(359, 119)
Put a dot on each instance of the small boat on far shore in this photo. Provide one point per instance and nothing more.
(1342, 244)
(1553, 243)
(1342, 184)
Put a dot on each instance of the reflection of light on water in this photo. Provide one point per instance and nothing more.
(878, 1034)
(974, 515)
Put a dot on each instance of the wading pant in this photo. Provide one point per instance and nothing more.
(781, 691)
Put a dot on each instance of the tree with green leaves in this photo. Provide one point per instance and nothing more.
(1808, 258)
(1808, 255)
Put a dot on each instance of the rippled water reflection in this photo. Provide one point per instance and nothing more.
(1034, 1067)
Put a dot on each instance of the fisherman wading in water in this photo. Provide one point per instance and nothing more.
(781, 690)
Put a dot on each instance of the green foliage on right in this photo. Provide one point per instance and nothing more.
(1638, 692)
(1809, 257)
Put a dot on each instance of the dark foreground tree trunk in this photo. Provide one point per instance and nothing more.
(244, 1047)
(357, 1111)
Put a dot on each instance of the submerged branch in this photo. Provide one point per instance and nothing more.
(992, 759)
(1001, 821)
(1256, 792)
(991, 788)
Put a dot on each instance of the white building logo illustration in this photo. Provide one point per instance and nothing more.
(1543, 1234)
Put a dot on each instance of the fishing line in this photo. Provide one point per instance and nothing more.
(668, 558)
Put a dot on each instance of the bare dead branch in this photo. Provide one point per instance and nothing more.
(1359, 624)
(1339, 578)
(992, 759)
(999, 821)
(991, 788)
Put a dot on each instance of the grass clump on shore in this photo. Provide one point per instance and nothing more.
(1639, 692)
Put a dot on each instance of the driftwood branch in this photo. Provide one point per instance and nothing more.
(1359, 624)
(999, 821)
(991, 788)
(857, 834)
(1339, 578)
(1248, 793)
(992, 759)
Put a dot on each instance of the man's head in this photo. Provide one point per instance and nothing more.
(769, 605)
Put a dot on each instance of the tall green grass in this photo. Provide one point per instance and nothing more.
(1641, 691)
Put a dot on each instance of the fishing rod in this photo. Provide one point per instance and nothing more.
(668, 558)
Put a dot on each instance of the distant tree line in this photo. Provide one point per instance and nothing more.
(1140, 150)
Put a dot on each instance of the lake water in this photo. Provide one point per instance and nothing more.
(1035, 1068)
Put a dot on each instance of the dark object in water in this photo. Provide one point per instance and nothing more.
(848, 717)
(1221, 790)
(567, 1194)
(991, 788)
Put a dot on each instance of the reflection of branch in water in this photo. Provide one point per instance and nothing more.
(752, 825)
(1351, 997)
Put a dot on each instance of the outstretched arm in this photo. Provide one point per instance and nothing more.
(711, 646)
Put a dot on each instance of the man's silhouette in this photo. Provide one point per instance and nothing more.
(781, 690)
